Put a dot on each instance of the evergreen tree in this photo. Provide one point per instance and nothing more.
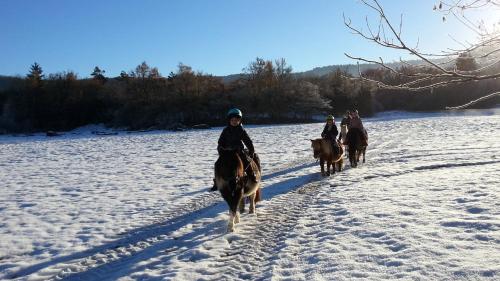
(98, 75)
(35, 75)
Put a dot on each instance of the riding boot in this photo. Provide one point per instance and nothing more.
(335, 148)
(214, 187)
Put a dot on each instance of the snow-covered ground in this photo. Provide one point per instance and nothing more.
(425, 205)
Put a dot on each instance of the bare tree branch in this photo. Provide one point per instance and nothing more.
(492, 95)
(432, 74)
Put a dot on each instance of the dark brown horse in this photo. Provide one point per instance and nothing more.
(323, 150)
(234, 185)
(356, 146)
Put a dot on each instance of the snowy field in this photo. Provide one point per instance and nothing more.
(425, 205)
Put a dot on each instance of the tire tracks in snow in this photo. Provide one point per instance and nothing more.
(247, 257)
(139, 243)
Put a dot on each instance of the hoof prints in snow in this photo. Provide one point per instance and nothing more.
(265, 236)
(413, 211)
(471, 225)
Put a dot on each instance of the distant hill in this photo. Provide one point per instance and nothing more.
(351, 69)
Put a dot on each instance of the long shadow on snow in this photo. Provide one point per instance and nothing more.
(165, 228)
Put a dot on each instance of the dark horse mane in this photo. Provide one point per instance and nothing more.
(229, 165)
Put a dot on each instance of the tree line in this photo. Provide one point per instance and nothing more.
(453, 94)
(142, 98)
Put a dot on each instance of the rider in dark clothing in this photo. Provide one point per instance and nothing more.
(346, 120)
(330, 132)
(233, 137)
(356, 124)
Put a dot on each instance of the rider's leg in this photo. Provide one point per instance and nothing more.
(335, 146)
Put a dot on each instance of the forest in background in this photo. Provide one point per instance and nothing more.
(266, 92)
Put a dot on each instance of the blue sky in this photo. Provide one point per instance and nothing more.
(219, 37)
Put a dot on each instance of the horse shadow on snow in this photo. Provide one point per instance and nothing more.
(172, 243)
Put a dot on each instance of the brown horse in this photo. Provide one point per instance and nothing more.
(323, 150)
(356, 146)
(234, 185)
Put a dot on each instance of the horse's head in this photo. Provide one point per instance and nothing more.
(228, 165)
(316, 146)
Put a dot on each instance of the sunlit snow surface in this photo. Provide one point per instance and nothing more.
(425, 205)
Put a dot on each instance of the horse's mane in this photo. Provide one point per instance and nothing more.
(229, 165)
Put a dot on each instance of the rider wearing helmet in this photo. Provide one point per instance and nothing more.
(233, 137)
(330, 132)
(347, 119)
(357, 124)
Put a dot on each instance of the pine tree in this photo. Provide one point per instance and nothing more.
(35, 75)
(98, 75)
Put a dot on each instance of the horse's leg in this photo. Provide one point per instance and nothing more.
(238, 198)
(233, 200)
(352, 158)
(230, 224)
(252, 203)
(237, 218)
(364, 151)
(226, 194)
(241, 206)
(322, 164)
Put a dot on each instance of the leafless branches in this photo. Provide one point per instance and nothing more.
(486, 50)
